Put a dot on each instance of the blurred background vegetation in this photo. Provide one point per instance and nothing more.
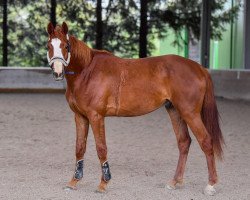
(129, 28)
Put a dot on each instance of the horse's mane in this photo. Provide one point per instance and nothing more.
(80, 50)
(84, 53)
(104, 52)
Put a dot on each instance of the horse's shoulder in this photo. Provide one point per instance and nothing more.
(96, 63)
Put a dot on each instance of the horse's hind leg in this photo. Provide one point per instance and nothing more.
(195, 123)
(183, 140)
(82, 127)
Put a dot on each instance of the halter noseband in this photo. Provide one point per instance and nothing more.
(61, 59)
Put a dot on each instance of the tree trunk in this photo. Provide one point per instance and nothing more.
(99, 25)
(5, 33)
(53, 12)
(143, 29)
(205, 32)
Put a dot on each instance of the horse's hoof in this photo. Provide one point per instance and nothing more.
(100, 190)
(172, 185)
(209, 190)
(69, 188)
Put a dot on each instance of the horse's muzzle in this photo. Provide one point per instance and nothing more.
(58, 76)
(58, 70)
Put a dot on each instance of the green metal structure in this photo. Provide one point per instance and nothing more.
(224, 54)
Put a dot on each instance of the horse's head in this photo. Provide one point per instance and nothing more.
(58, 49)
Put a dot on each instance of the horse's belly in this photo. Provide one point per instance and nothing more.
(137, 110)
(134, 104)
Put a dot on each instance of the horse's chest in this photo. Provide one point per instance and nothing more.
(75, 105)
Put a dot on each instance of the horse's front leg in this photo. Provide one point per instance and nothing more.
(82, 127)
(97, 124)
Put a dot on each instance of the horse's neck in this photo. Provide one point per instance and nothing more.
(81, 57)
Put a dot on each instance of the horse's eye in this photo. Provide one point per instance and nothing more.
(68, 47)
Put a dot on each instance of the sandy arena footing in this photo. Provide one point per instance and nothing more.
(37, 143)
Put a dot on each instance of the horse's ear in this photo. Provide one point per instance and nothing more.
(50, 28)
(65, 28)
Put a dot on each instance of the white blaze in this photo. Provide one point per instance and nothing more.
(57, 49)
(58, 66)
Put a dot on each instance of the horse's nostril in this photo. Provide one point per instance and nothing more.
(55, 74)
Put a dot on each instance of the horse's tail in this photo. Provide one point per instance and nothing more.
(210, 117)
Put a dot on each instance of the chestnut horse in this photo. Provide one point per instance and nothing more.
(100, 84)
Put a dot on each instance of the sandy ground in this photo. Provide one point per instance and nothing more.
(37, 138)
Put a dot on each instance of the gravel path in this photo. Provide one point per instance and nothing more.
(37, 143)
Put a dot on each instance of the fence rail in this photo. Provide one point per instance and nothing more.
(230, 84)
(32, 79)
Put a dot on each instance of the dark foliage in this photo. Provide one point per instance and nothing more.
(119, 22)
